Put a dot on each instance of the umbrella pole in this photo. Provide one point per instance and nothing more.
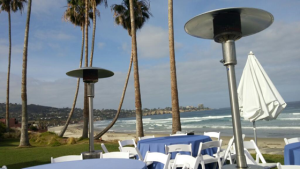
(229, 60)
(254, 130)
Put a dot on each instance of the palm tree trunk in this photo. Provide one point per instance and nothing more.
(120, 105)
(86, 102)
(94, 32)
(176, 125)
(62, 132)
(138, 102)
(8, 73)
(24, 140)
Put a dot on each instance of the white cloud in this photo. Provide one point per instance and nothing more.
(153, 42)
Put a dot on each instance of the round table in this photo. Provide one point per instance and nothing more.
(292, 154)
(109, 163)
(158, 145)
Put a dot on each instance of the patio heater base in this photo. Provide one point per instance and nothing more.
(91, 155)
(233, 166)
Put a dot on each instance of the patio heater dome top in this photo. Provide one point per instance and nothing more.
(238, 22)
(90, 74)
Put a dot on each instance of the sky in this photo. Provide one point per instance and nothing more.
(55, 45)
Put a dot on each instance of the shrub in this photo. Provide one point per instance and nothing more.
(2, 129)
(71, 140)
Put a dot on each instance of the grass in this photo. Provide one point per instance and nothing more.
(42, 149)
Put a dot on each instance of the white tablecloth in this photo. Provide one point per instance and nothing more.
(95, 164)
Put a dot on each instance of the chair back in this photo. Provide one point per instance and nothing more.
(187, 161)
(213, 134)
(115, 155)
(227, 151)
(250, 145)
(291, 140)
(178, 147)
(210, 144)
(146, 137)
(66, 158)
(104, 148)
(127, 142)
(158, 157)
(133, 151)
(232, 149)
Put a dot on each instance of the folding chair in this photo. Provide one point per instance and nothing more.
(66, 158)
(186, 161)
(104, 148)
(158, 157)
(291, 140)
(178, 148)
(213, 134)
(206, 159)
(146, 137)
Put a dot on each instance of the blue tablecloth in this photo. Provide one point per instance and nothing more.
(109, 163)
(158, 145)
(292, 154)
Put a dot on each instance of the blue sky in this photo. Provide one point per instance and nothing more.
(55, 45)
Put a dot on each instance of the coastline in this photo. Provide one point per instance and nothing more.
(266, 145)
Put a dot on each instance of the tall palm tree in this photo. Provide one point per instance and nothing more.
(75, 14)
(10, 5)
(132, 14)
(94, 4)
(176, 125)
(24, 140)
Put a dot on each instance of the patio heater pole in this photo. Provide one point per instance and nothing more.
(90, 76)
(226, 26)
(229, 59)
(90, 95)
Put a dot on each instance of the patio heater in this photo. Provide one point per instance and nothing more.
(226, 26)
(90, 76)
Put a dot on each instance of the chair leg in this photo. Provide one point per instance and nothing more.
(202, 165)
(215, 165)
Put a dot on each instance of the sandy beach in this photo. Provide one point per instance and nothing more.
(266, 145)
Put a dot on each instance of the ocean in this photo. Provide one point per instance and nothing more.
(286, 125)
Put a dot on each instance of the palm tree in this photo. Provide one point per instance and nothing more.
(24, 140)
(94, 4)
(138, 10)
(75, 14)
(176, 125)
(10, 5)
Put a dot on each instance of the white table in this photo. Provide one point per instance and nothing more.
(111, 163)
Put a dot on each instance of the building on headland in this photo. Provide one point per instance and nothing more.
(13, 123)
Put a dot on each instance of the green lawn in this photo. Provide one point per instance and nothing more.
(15, 158)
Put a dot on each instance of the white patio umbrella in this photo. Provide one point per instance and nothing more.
(257, 95)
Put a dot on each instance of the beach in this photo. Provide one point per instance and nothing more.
(266, 145)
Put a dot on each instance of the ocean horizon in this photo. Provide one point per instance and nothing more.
(286, 125)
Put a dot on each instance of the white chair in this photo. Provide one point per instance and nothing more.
(250, 145)
(227, 155)
(157, 157)
(250, 160)
(4, 167)
(66, 158)
(177, 148)
(146, 137)
(232, 149)
(206, 159)
(104, 148)
(127, 143)
(291, 140)
(213, 134)
(133, 151)
(115, 155)
(279, 166)
(186, 161)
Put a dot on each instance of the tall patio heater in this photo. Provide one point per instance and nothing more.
(226, 26)
(90, 76)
